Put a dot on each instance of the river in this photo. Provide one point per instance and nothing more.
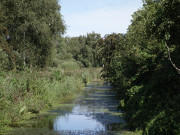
(93, 112)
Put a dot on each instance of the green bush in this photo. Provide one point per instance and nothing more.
(69, 65)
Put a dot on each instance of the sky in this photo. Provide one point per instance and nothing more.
(101, 16)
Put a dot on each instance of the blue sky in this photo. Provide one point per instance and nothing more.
(100, 16)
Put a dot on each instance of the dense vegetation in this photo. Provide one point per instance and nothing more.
(144, 66)
(82, 49)
(31, 29)
(29, 92)
(38, 66)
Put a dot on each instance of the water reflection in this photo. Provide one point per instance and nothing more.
(93, 111)
(77, 122)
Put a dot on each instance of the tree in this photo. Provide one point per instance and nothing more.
(84, 49)
(109, 49)
(140, 70)
(33, 28)
(7, 55)
(163, 23)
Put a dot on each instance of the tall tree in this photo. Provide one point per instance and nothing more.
(83, 49)
(163, 22)
(7, 57)
(33, 27)
(145, 72)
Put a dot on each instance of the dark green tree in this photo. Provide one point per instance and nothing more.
(7, 57)
(145, 69)
(33, 28)
(162, 22)
(83, 49)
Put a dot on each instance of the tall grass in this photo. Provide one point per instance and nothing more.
(28, 92)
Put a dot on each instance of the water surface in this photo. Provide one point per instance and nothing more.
(94, 112)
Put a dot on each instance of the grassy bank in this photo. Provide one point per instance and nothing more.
(25, 93)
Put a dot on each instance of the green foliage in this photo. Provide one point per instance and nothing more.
(143, 71)
(28, 92)
(4, 60)
(5, 51)
(33, 28)
(57, 75)
(109, 50)
(83, 49)
(69, 65)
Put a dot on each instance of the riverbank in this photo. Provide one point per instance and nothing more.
(27, 93)
(92, 112)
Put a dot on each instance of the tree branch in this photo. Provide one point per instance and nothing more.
(169, 57)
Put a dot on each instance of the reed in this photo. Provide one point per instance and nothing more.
(25, 93)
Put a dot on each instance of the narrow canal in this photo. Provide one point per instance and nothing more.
(94, 112)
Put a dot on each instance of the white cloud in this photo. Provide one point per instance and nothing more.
(103, 21)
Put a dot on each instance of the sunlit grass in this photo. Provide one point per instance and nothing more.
(128, 133)
(30, 92)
